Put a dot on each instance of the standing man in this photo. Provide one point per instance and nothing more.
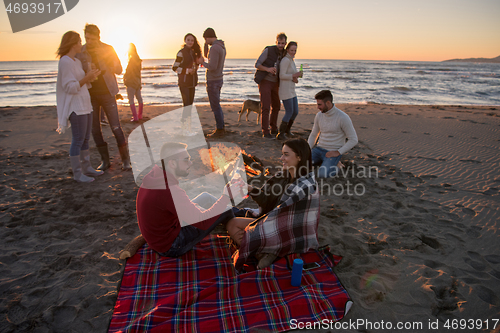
(214, 76)
(333, 127)
(266, 77)
(97, 55)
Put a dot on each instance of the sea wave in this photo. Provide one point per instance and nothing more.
(155, 68)
(401, 88)
(163, 85)
(30, 83)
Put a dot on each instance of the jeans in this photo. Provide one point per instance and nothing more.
(291, 109)
(189, 235)
(108, 104)
(328, 165)
(269, 98)
(81, 126)
(131, 93)
(213, 90)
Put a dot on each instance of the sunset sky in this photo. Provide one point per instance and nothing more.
(425, 30)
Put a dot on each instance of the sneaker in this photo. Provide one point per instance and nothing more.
(218, 133)
(274, 132)
(268, 136)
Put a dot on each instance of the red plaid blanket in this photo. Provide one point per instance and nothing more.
(201, 292)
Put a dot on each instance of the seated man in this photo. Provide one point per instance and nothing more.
(159, 218)
(333, 127)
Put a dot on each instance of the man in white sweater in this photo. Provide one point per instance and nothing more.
(333, 127)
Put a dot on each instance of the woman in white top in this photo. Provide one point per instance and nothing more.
(73, 105)
(289, 76)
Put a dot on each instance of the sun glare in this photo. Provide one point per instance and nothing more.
(120, 39)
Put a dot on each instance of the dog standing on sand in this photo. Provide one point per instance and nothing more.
(251, 106)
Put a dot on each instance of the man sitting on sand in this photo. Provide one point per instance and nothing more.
(333, 127)
(160, 219)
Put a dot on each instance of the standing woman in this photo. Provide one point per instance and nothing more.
(186, 68)
(289, 76)
(132, 80)
(73, 105)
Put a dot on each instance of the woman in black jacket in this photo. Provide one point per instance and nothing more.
(186, 68)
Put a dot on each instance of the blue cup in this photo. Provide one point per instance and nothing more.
(298, 264)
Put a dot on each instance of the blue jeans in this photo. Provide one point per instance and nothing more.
(213, 90)
(131, 93)
(291, 109)
(328, 165)
(81, 126)
(189, 235)
(108, 104)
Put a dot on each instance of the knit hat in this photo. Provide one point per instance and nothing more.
(209, 33)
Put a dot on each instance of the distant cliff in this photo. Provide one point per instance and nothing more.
(485, 60)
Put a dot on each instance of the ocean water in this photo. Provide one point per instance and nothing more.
(31, 83)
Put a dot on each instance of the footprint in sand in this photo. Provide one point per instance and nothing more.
(478, 266)
(491, 191)
(469, 211)
(382, 129)
(487, 295)
(432, 242)
(492, 258)
(427, 133)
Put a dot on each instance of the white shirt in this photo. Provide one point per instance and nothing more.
(69, 95)
(333, 128)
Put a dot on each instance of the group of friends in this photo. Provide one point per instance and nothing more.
(169, 220)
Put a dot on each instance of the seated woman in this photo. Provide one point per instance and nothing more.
(290, 204)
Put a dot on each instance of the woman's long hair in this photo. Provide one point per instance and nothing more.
(132, 52)
(196, 46)
(68, 40)
(301, 148)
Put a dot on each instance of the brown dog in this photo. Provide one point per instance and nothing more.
(251, 106)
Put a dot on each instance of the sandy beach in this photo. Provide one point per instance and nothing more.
(414, 214)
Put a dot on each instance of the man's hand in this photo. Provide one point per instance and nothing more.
(92, 75)
(234, 187)
(236, 228)
(200, 60)
(332, 153)
(271, 70)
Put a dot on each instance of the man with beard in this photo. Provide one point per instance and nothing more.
(333, 127)
(266, 77)
(162, 204)
(97, 55)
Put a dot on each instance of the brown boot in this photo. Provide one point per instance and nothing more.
(125, 157)
(265, 260)
(218, 133)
